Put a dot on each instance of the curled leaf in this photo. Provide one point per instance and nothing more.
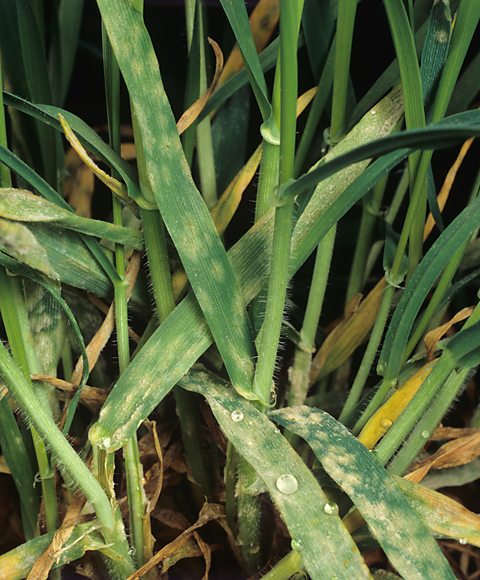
(191, 114)
(113, 184)
(431, 338)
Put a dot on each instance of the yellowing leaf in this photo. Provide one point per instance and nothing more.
(384, 418)
(190, 115)
(263, 21)
(348, 335)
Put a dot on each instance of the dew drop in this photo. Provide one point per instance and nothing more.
(236, 416)
(277, 430)
(425, 434)
(462, 541)
(386, 424)
(287, 484)
(296, 545)
(330, 509)
(373, 112)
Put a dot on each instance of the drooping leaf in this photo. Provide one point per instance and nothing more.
(403, 535)
(20, 205)
(291, 485)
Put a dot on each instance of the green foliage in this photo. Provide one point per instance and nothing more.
(227, 305)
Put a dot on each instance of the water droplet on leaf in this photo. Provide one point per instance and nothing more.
(287, 484)
(236, 416)
(425, 434)
(462, 541)
(330, 509)
(386, 424)
(296, 545)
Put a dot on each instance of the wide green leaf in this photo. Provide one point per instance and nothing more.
(186, 216)
(402, 534)
(293, 488)
(19, 242)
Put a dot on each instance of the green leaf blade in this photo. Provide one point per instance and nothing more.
(186, 217)
(302, 504)
(401, 533)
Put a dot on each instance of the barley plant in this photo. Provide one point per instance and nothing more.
(195, 385)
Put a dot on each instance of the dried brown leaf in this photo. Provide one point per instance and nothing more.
(435, 335)
(208, 513)
(191, 114)
(348, 335)
(43, 565)
(452, 454)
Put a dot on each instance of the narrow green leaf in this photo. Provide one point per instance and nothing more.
(33, 69)
(237, 16)
(432, 265)
(402, 534)
(446, 133)
(63, 46)
(22, 206)
(291, 485)
(186, 216)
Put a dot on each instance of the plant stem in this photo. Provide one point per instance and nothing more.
(299, 373)
(370, 209)
(366, 364)
(427, 424)
(277, 287)
(288, 566)
(133, 466)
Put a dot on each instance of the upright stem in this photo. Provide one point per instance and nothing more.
(367, 362)
(299, 373)
(133, 466)
(370, 208)
(270, 332)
